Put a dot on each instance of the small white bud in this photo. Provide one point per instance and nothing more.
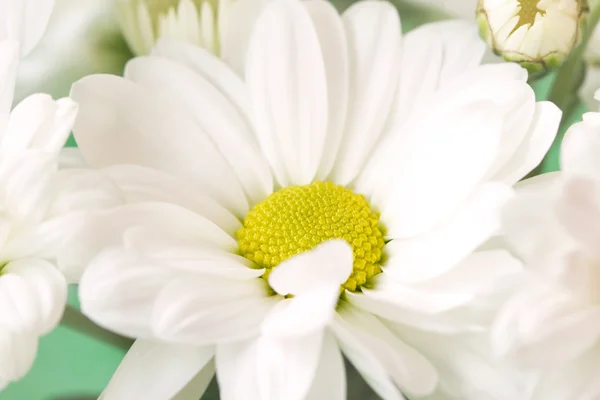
(538, 34)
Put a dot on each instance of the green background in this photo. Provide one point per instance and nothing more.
(72, 366)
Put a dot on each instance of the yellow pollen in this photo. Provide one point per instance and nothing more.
(298, 218)
(528, 12)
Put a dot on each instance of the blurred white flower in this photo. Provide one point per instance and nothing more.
(32, 291)
(553, 322)
(82, 38)
(219, 26)
(233, 189)
(538, 34)
(24, 21)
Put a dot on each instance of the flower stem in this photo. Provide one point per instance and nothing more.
(571, 74)
(75, 320)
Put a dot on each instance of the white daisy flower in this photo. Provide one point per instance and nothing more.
(335, 200)
(220, 26)
(32, 291)
(553, 321)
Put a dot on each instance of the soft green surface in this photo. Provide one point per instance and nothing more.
(72, 366)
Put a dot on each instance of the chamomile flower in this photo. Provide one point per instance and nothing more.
(32, 291)
(334, 200)
(553, 321)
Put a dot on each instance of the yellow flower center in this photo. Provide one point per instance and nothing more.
(298, 218)
(529, 9)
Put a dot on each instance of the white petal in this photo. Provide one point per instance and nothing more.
(288, 365)
(422, 59)
(368, 365)
(17, 352)
(328, 264)
(519, 112)
(578, 210)
(122, 123)
(330, 378)
(25, 21)
(433, 55)
(187, 255)
(332, 39)
(212, 69)
(35, 299)
(535, 145)
(303, 314)
(478, 275)
(466, 367)
(156, 371)
(374, 43)
(9, 59)
(46, 240)
(214, 114)
(39, 122)
(580, 148)
(118, 291)
(237, 370)
(500, 86)
(463, 48)
(412, 372)
(84, 189)
(405, 297)
(418, 196)
(286, 75)
(139, 184)
(236, 20)
(208, 309)
(576, 379)
(26, 188)
(129, 291)
(541, 317)
(106, 228)
(456, 320)
(435, 253)
(531, 224)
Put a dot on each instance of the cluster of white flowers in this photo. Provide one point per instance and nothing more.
(272, 186)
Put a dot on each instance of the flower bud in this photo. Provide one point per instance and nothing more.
(538, 34)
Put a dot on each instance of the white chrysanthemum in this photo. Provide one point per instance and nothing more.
(554, 321)
(401, 148)
(32, 291)
(220, 26)
(82, 38)
(539, 34)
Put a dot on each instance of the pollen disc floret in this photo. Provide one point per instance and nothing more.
(298, 218)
